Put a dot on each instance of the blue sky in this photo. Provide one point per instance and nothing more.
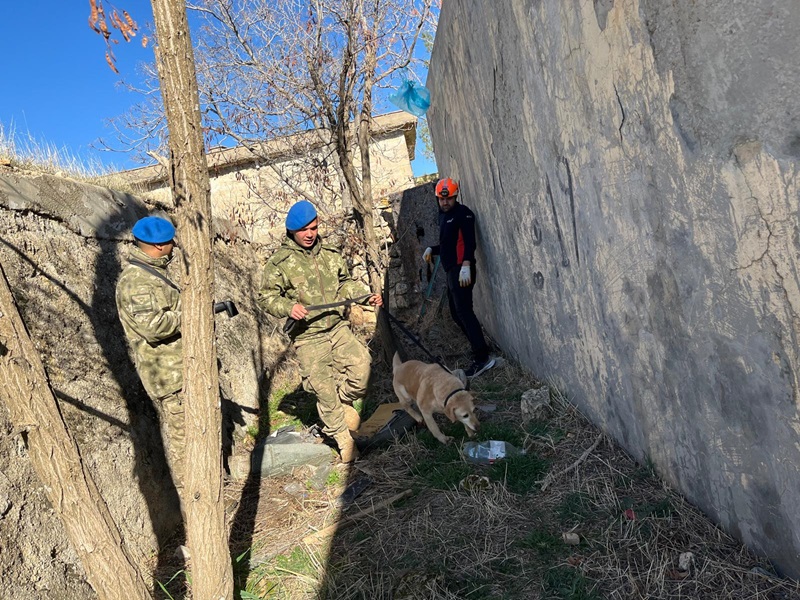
(56, 87)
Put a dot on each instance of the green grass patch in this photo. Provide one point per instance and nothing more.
(507, 566)
(645, 472)
(543, 429)
(261, 584)
(519, 473)
(247, 587)
(548, 547)
(441, 476)
(358, 535)
(453, 430)
(565, 583)
(574, 508)
(265, 580)
(660, 509)
(623, 481)
(496, 587)
(288, 405)
(334, 478)
(174, 582)
(489, 391)
(475, 590)
(298, 561)
(537, 428)
(441, 467)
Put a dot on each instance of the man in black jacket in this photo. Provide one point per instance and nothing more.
(456, 250)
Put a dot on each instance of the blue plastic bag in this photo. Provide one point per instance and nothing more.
(412, 98)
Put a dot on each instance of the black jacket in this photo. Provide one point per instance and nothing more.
(456, 237)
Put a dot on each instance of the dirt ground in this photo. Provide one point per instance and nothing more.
(574, 517)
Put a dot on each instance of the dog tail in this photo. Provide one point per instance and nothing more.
(396, 361)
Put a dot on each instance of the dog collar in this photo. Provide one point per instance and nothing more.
(453, 393)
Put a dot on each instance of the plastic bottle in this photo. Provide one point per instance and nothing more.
(486, 453)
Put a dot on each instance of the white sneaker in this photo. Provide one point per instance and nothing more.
(476, 368)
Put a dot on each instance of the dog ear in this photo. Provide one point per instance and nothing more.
(450, 412)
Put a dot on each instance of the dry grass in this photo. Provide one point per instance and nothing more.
(505, 541)
(29, 154)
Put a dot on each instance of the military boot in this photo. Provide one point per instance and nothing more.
(347, 446)
(352, 418)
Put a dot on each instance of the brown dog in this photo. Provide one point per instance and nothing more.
(434, 390)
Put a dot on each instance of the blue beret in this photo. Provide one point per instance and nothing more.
(153, 230)
(300, 214)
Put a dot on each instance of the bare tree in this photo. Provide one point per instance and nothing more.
(57, 461)
(274, 68)
(277, 68)
(212, 575)
(309, 72)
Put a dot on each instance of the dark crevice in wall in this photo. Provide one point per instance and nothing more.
(601, 10)
(564, 254)
(568, 189)
(622, 109)
(677, 109)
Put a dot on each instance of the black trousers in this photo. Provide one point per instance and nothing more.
(460, 299)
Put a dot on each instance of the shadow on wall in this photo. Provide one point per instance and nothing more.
(64, 283)
(150, 468)
(416, 227)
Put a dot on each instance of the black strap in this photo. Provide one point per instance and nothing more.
(153, 271)
(453, 393)
(287, 327)
(347, 302)
(291, 322)
(414, 339)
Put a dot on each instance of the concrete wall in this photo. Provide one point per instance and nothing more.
(634, 169)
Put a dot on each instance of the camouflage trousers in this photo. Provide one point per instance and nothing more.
(336, 368)
(172, 420)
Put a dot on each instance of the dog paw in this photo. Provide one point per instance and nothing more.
(446, 439)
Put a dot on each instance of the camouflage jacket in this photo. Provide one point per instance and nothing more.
(150, 311)
(319, 275)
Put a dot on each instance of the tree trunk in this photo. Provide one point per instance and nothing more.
(212, 576)
(57, 461)
(362, 207)
(377, 274)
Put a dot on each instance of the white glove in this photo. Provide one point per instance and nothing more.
(426, 256)
(464, 276)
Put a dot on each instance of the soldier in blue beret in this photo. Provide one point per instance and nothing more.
(149, 307)
(335, 366)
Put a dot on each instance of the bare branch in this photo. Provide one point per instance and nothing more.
(159, 159)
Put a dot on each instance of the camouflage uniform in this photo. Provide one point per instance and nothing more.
(149, 307)
(335, 365)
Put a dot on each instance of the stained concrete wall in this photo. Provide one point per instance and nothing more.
(634, 169)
